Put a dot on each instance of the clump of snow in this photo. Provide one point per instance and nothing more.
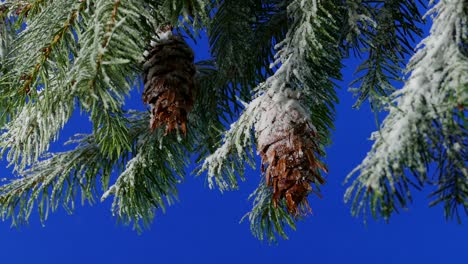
(164, 35)
(282, 106)
(127, 177)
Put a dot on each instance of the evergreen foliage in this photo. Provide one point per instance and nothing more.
(426, 125)
(59, 56)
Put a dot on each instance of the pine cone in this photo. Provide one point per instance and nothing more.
(287, 144)
(169, 82)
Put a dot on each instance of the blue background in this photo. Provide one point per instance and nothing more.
(203, 227)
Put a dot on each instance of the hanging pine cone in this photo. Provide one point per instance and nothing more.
(287, 144)
(168, 75)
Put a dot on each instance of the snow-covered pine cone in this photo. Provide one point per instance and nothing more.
(168, 75)
(287, 144)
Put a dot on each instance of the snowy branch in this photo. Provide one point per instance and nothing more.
(307, 60)
(427, 123)
(149, 180)
(54, 181)
(29, 135)
(381, 31)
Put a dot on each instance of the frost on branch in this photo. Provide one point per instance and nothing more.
(29, 135)
(55, 181)
(4, 35)
(290, 131)
(236, 148)
(149, 179)
(428, 124)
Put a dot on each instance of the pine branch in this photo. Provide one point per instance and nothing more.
(100, 84)
(208, 116)
(6, 37)
(60, 177)
(266, 220)
(428, 125)
(242, 36)
(230, 32)
(114, 45)
(52, 42)
(236, 149)
(383, 31)
(148, 181)
(39, 120)
(54, 181)
(111, 132)
(358, 21)
(47, 50)
(194, 13)
(30, 64)
(269, 28)
(452, 179)
(99, 76)
(56, 55)
(28, 136)
(139, 191)
(307, 59)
